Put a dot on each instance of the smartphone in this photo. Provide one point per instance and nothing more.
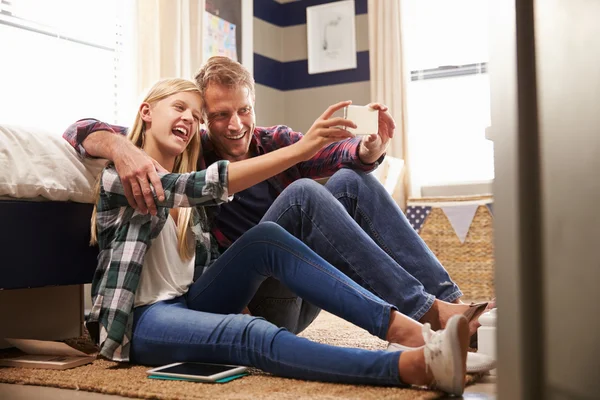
(197, 371)
(365, 118)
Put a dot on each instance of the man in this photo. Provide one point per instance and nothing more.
(351, 221)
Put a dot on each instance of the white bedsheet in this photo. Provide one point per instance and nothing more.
(36, 163)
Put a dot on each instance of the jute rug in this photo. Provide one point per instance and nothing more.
(125, 380)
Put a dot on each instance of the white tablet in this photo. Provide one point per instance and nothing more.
(197, 371)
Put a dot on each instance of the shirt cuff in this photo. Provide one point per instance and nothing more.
(217, 180)
(367, 167)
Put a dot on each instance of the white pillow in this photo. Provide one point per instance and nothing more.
(36, 163)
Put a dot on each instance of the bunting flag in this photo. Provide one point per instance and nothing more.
(416, 216)
(460, 217)
(490, 208)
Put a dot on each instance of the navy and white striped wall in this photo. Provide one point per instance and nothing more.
(284, 65)
(286, 93)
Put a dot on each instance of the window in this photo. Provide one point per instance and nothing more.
(448, 99)
(61, 61)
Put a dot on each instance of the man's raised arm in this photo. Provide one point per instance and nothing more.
(136, 169)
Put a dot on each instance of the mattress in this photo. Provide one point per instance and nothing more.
(35, 163)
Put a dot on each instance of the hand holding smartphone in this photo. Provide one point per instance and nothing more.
(365, 118)
(197, 372)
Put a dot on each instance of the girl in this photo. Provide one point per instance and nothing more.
(163, 294)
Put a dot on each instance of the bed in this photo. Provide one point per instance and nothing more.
(45, 208)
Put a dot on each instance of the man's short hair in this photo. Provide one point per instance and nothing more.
(223, 71)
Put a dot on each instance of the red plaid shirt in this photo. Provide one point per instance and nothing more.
(325, 163)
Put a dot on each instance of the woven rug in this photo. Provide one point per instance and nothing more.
(130, 381)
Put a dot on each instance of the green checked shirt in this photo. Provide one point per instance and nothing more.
(124, 237)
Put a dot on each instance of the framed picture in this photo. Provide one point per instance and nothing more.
(331, 37)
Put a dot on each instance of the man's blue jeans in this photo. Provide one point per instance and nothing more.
(204, 325)
(354, 224)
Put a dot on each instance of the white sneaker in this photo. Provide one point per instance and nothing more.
(477, 363)
(446, 354)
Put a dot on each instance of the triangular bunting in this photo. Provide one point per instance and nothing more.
(461, 217)
(490, 207)
(416, 216)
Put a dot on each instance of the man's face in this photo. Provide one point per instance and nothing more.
(230, 120)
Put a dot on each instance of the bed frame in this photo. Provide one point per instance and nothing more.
(44, 261)
(45, 244)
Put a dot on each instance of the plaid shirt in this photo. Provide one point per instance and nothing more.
(124, 236)
(325, 163)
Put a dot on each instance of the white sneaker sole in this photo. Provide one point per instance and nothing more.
(477, 363)
(458, 330)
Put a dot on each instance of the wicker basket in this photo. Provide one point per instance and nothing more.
(470, 264)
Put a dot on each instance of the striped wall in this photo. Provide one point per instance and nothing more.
(285, 92)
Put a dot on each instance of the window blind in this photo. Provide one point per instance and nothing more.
(61, 61)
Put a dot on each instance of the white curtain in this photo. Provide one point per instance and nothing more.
(169, 40)
(388, 78)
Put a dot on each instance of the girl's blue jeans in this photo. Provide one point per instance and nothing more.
(205, 325)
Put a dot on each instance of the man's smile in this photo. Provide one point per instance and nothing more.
(236, 137)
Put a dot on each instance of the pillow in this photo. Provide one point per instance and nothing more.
(36, 163)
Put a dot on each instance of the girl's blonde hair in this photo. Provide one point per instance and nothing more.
(185, 162)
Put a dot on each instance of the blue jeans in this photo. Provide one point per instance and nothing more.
(204, 325)
(354, 224)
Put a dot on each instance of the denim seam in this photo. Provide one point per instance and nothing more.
(453, 296)
(423, 310)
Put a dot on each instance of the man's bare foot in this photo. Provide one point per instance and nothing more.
(441, 311)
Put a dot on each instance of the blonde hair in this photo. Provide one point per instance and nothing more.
(185, 162)
(223, 71)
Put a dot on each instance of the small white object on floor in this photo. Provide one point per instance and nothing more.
(486, 335)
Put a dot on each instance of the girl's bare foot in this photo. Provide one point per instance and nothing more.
(404, 330)
(413, 370)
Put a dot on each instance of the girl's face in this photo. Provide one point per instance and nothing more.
(171, 123)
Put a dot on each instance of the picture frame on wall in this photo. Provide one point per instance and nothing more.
(331, 37)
